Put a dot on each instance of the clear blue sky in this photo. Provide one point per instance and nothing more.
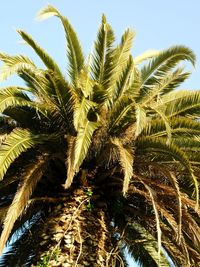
(158, 24)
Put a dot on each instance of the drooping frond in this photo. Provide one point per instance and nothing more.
(102, 53)
(29, 181)
(143, 247)
(181, 103)
(164, 85)
(126, 159)
(167, 60)
(14, 64)
(141, 120)
(179, 125)
(79, 149)
(145, 56)
(48, 61)
(17, 142)
(154, 145)
(75, 54)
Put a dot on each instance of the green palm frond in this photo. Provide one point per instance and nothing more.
(120, 58)
(121, 116)
(25, 189)
(75, 54)
(125, 81)
(126, 159)
(181, 103)
(141, 120)
(164, 85)
(179, 125)
(81, 111)
(79, 149)
(48, 61)
(17, 142)
(11, 97)
(145, 56)
(103, 52)
(14, 64)
(166, 60)
(166, 122)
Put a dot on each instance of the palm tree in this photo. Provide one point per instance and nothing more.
(103, 160)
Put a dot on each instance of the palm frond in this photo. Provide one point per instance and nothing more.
(29, 182)
(14, 64)
(102, 52)
(167, 60)
(159, 146)
(120, 58)
(181, 103)
(81, 112)
(75, 54)
(143, 247)
(80, 149)
(48, 61)
(145, 56)
(126, 160)
(141, 120)
(125, 80)
(179, 125)
(17, 142)
(163, 85)
(121, 115)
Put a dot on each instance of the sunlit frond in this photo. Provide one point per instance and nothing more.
(48, 61)
(17, 142)
(75, 54)
(126, 159)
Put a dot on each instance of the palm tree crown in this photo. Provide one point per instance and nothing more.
(118, 126)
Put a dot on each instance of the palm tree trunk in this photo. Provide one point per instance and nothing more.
(77, 234)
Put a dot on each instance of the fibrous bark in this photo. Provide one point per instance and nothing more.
(76, 233)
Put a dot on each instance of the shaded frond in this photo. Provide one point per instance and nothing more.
(154, 145)
(25, 189)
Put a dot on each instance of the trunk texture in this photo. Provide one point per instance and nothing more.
(77, 234)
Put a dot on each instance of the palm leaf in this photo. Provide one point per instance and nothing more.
(143, 246)
(181, 104)
(126, 159)
(145, 56)
(30, 180)
(141, 120)
(167, 60)
(48, 61)
(102, 52)
(159, 146)
(14, 64)
(79, 149)
(17, 142)
(75, 54)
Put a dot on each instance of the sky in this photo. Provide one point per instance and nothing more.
(158, 25)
